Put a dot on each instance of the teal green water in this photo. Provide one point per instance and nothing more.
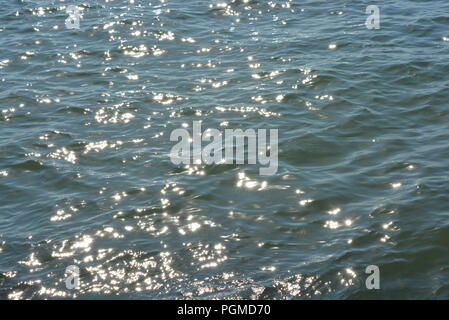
(86, 178)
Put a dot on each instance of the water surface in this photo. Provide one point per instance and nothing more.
(86, 178)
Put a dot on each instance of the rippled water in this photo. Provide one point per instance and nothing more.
(86, 178)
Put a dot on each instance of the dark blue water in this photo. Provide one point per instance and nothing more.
(86, 178)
